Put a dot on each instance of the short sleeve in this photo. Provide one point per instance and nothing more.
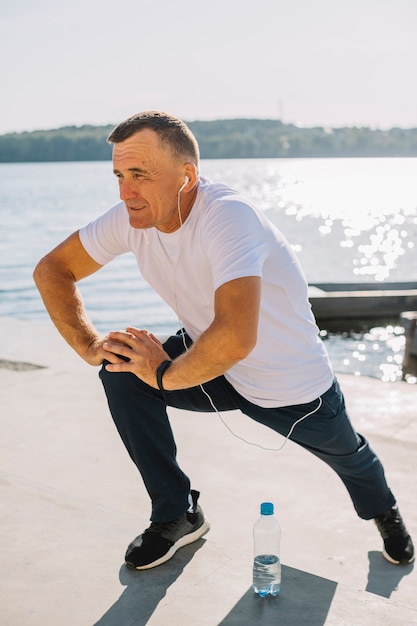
(107, 236)
(235, 240)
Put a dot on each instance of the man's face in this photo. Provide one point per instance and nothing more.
(149, 180)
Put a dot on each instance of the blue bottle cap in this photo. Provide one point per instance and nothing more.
(267, 508)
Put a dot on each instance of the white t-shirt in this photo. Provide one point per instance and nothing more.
(224, 238)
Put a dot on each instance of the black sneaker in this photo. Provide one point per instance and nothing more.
(398, 547)
(160, 541)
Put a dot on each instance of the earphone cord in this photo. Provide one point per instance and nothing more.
(250, 443)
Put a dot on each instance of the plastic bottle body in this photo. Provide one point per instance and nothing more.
(266, 563)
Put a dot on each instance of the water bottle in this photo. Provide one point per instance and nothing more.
(266, 564)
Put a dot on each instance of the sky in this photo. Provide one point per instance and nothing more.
(324, 63)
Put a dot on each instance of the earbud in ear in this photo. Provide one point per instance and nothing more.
(186, 180)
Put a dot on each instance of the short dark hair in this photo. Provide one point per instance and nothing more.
(172, 132)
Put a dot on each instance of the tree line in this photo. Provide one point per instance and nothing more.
(227, 139)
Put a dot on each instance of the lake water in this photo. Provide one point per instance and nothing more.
(347, 219)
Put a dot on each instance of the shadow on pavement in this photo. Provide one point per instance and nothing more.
(302, 595)
(383, 577)
(145, 589)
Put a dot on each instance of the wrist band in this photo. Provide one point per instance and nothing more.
(160, 372)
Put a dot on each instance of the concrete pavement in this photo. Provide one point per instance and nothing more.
(71, 501)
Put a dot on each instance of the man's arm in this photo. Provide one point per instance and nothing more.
(56, 276)
(229, 339)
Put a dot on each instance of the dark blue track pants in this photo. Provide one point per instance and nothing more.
(140, 415)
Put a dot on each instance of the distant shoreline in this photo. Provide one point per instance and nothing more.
(219, 139)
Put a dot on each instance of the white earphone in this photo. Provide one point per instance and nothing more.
(186, 181)
(176, 309)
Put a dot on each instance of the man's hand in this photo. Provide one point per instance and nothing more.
(229, 338)
(95, 352)
(144, 351)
